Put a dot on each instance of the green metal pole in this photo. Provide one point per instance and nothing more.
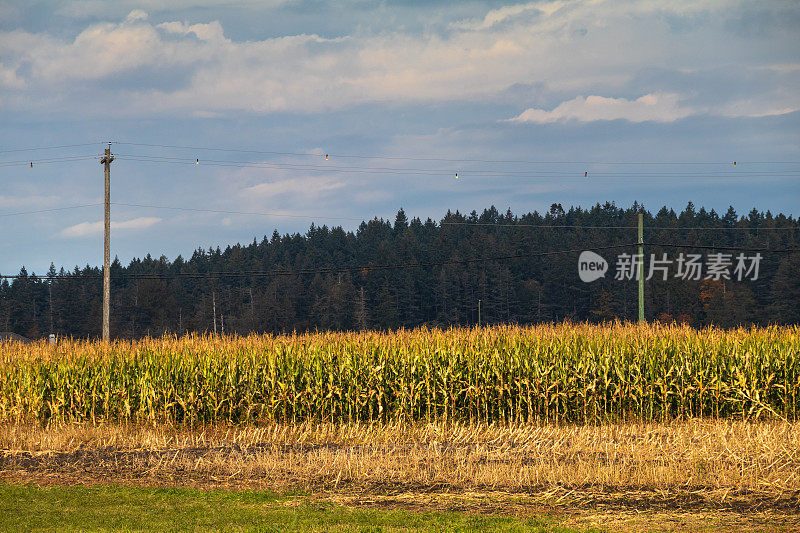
(641, 270)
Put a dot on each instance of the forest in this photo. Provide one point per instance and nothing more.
(491, 267)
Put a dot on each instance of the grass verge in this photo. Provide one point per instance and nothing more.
(58, 508)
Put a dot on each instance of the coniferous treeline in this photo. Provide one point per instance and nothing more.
(262, 291)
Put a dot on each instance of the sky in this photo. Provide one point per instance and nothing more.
(572, 102)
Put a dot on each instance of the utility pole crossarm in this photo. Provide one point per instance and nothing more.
(106, 161)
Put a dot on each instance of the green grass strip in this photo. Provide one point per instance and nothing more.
(110, 508)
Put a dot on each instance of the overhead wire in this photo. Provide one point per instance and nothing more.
(441, 223)
(448, 223)
(50, 209)
(51, 147)
(548, 173)
(723, 247)
(365, 269)
(390, 170)
(336, 270)
(441, 159)
(318, 153)
(443, 172)
(232, 212)
(49, 160)
(646, 228)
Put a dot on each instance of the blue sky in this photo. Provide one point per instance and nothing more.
(570, 87)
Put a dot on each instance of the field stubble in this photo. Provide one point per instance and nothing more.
(688, 464)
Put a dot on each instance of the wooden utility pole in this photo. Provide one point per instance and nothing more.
(50, 287)
(641, 270)
(539, 303)
(106, 161)
(252, 311)
(362, 310)
(214, 305)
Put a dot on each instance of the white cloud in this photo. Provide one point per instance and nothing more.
(576, 47)
(650, 107)
(204, 32)
(80, 9)
(136, 14)
(92, 228)
(300, 187)
(496, 16)
(757, 109)
(28, 202)
(9, 78)
(97, 52)
(781, 67)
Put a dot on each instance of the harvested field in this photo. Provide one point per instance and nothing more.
(745, 467)
(603, 425)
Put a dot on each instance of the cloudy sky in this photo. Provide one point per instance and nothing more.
(654, 100)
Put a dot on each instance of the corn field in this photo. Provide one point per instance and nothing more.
(569, 373)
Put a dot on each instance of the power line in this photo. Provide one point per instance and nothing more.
(229, 212)
(291, 165)
(49, 147)
(419, 171)
(732, 248)
(336, 270)
(214, 162)
(450, 160)
(49, 210)
(287, 166)
(442, 223)
(265, 152)
(447, 223)
(577, 226)
(64, 159)
(452, 172)
(364, 269)
(197, 161)
(402, 158)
